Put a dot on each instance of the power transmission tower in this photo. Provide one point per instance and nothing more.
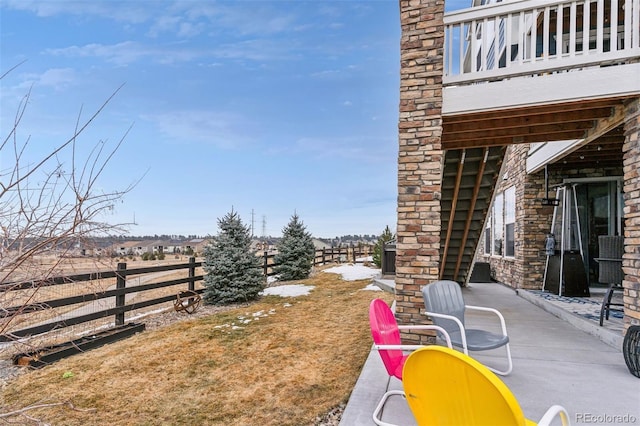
(252, 222)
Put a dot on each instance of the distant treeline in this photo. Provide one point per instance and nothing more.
(344, 239)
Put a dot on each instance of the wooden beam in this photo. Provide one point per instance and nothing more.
(454, 202)
(603, 127)
(472, 208)
(514, 132)
(533, 110)
(502, 141)
(528, 120)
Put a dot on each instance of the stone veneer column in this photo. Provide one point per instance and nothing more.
(631, 256)
(420, 156)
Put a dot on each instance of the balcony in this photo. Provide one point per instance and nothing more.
(495, 42)
(532, 71)
(510, 78)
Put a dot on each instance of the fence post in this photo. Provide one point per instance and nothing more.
(121, 283)
(353, 252)
(192, 273)
(266, 264)
(324, 250)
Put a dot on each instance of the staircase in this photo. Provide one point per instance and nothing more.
(468, 182)
(525, 71)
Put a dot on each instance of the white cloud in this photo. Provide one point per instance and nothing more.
(164, 24)
(56, 78)
(120, 53)
(176, 24)
(255, 50)
(254, 19)
(185, 19)
(222, 129)
(189, 29)
(362, 148)
(128, 52)
(134, 12)
(328, 74)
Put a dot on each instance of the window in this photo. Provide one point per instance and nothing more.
(499, 233)
(509, 221)
(487, 236)
(498, 222)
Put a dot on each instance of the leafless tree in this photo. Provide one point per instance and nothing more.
(53, 204)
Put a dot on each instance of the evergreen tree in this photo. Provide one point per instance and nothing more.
(377, 249)
(233, 271)
(295, 252)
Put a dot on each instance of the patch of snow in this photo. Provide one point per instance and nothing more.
(372, 287)
(354, 272)
(365, 259)
(247, 318)
(107, 326)
(144, 314)
(292, 290)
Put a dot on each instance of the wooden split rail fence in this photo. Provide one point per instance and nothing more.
(114, 298)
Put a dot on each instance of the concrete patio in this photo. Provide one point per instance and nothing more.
(559, 357)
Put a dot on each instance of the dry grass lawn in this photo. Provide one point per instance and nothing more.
(277, 361)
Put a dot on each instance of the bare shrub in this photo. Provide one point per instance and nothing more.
(49, 207)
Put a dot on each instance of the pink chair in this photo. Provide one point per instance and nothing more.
(386, 338)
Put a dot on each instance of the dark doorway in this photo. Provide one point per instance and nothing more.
(599, 207)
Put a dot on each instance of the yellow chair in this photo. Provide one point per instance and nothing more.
(446, 387)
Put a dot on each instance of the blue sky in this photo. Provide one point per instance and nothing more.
(273, 107)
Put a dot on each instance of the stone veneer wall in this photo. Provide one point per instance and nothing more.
(533, 220)
(420, 165)
(631, 188)
(420, 158)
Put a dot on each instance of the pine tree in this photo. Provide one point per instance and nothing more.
(233, 271)
(377, 249)
(295, 252)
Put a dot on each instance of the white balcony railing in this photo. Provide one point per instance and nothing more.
(516, 38)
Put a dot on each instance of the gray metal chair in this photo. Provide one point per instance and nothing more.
(444, 304)
(611, 249)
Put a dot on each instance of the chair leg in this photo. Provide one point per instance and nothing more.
(377, 413)
(606, 304)
(552, 413)
(509, 364)
(609, 296)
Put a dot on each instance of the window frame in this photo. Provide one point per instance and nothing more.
(497, 226)
(488, 236)
(509, 219)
